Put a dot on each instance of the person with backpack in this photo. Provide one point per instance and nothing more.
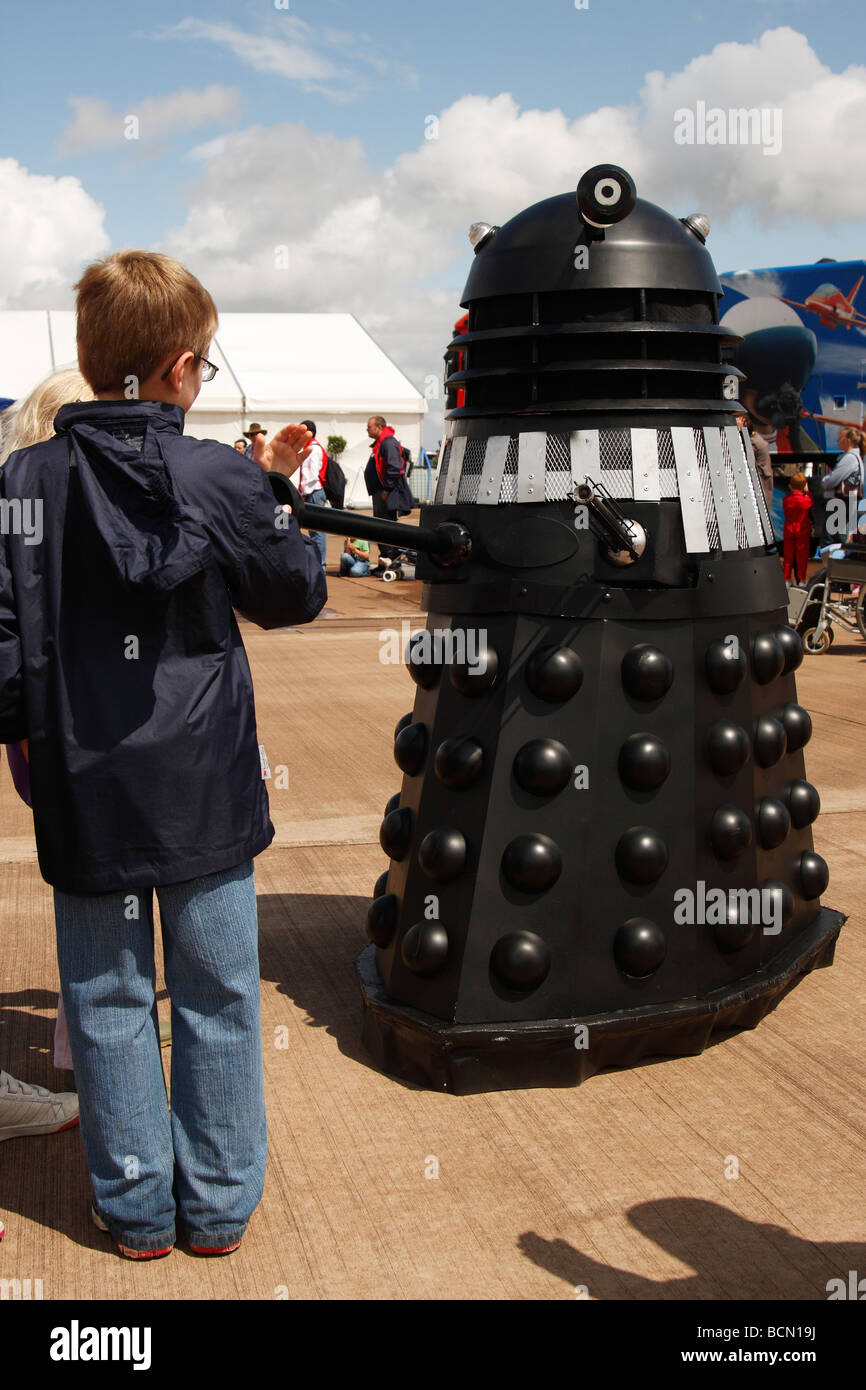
(385, 478)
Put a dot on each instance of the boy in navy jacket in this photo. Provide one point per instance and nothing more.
(125, 548)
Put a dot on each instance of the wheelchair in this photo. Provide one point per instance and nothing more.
(838, 596)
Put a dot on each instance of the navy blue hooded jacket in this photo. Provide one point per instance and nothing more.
(124, 548)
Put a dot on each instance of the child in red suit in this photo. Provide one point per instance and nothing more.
(798, 528)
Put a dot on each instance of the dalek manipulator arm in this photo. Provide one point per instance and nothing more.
(447, 544)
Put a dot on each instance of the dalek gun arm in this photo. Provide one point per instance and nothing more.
(625, 538)
(449, 543)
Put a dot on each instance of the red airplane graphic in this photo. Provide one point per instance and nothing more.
(832, 306)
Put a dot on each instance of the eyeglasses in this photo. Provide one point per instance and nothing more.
(209, 371)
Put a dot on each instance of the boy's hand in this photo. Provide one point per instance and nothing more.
(286, 451)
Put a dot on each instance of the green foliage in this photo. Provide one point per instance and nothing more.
(336, 444)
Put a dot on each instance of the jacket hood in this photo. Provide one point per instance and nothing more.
(153, 540)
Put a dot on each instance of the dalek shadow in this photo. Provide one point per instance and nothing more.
(602, 849)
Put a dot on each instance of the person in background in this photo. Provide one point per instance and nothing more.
(763, 458)
(355, 559)
(798, 529)
(385, 478)
(846, 476)
(254, 432)
(311, 484)
(27, 1109)
(240, 445)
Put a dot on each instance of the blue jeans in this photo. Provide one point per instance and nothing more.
(318, 499)
(356, 569)
(204, 1160)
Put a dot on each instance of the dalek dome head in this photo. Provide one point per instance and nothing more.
(591, 300)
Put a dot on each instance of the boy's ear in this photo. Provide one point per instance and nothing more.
(174, 380)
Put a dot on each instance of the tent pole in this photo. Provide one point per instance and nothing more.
(237, 384)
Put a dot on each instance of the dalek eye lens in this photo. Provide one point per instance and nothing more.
(607, 193)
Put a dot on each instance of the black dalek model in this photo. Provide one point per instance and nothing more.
(602, 849)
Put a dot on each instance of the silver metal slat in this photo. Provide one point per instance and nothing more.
(766, 520)
(494, 467)
(691, 496)
(748, 503)
(585, 458)
(645, 465)
(719, 484)
(455, 469)
(531, 455)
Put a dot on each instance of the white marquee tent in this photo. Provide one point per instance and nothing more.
(274, 368)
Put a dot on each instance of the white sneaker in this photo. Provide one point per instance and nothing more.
(33, 1110)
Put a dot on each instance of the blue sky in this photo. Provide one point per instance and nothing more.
(547, 55)
(261, 124)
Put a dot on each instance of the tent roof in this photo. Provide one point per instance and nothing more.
(277, 362)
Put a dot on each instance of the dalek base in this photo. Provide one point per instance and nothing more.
(471, 1059)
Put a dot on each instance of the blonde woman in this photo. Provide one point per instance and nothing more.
(26, 1109)
(847, 475)
(33, 420)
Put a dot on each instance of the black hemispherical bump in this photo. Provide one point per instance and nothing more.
(476, 677)
(797, 725)
(814, 874)
(382, 919)
(641, 855)
(644, 762)
(381, 885)
(442, 853)
(726, 666)
(737, 931)
(768, 658)
(639, 947)
(396, 832)
(770, 740)
(402, 724)
(730, 831)
(422, 668)
(727, 747)
(803, 802)
(647, 673)
(792, 646)
(774, 822)
(520, 960)
(543, 766)
(532, 863)
(391, 804)
(424, 948)
(410, 748)
(459, 761)
(773, 892)
(554, 673)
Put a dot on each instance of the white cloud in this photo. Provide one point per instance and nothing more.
(289, 48)
(368, 242)
(149, 119)
(48, 228)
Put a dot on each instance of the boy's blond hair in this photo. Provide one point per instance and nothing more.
(799, 482)
(135, 309)
(33, 420)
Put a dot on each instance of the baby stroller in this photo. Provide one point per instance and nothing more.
(398, 566)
